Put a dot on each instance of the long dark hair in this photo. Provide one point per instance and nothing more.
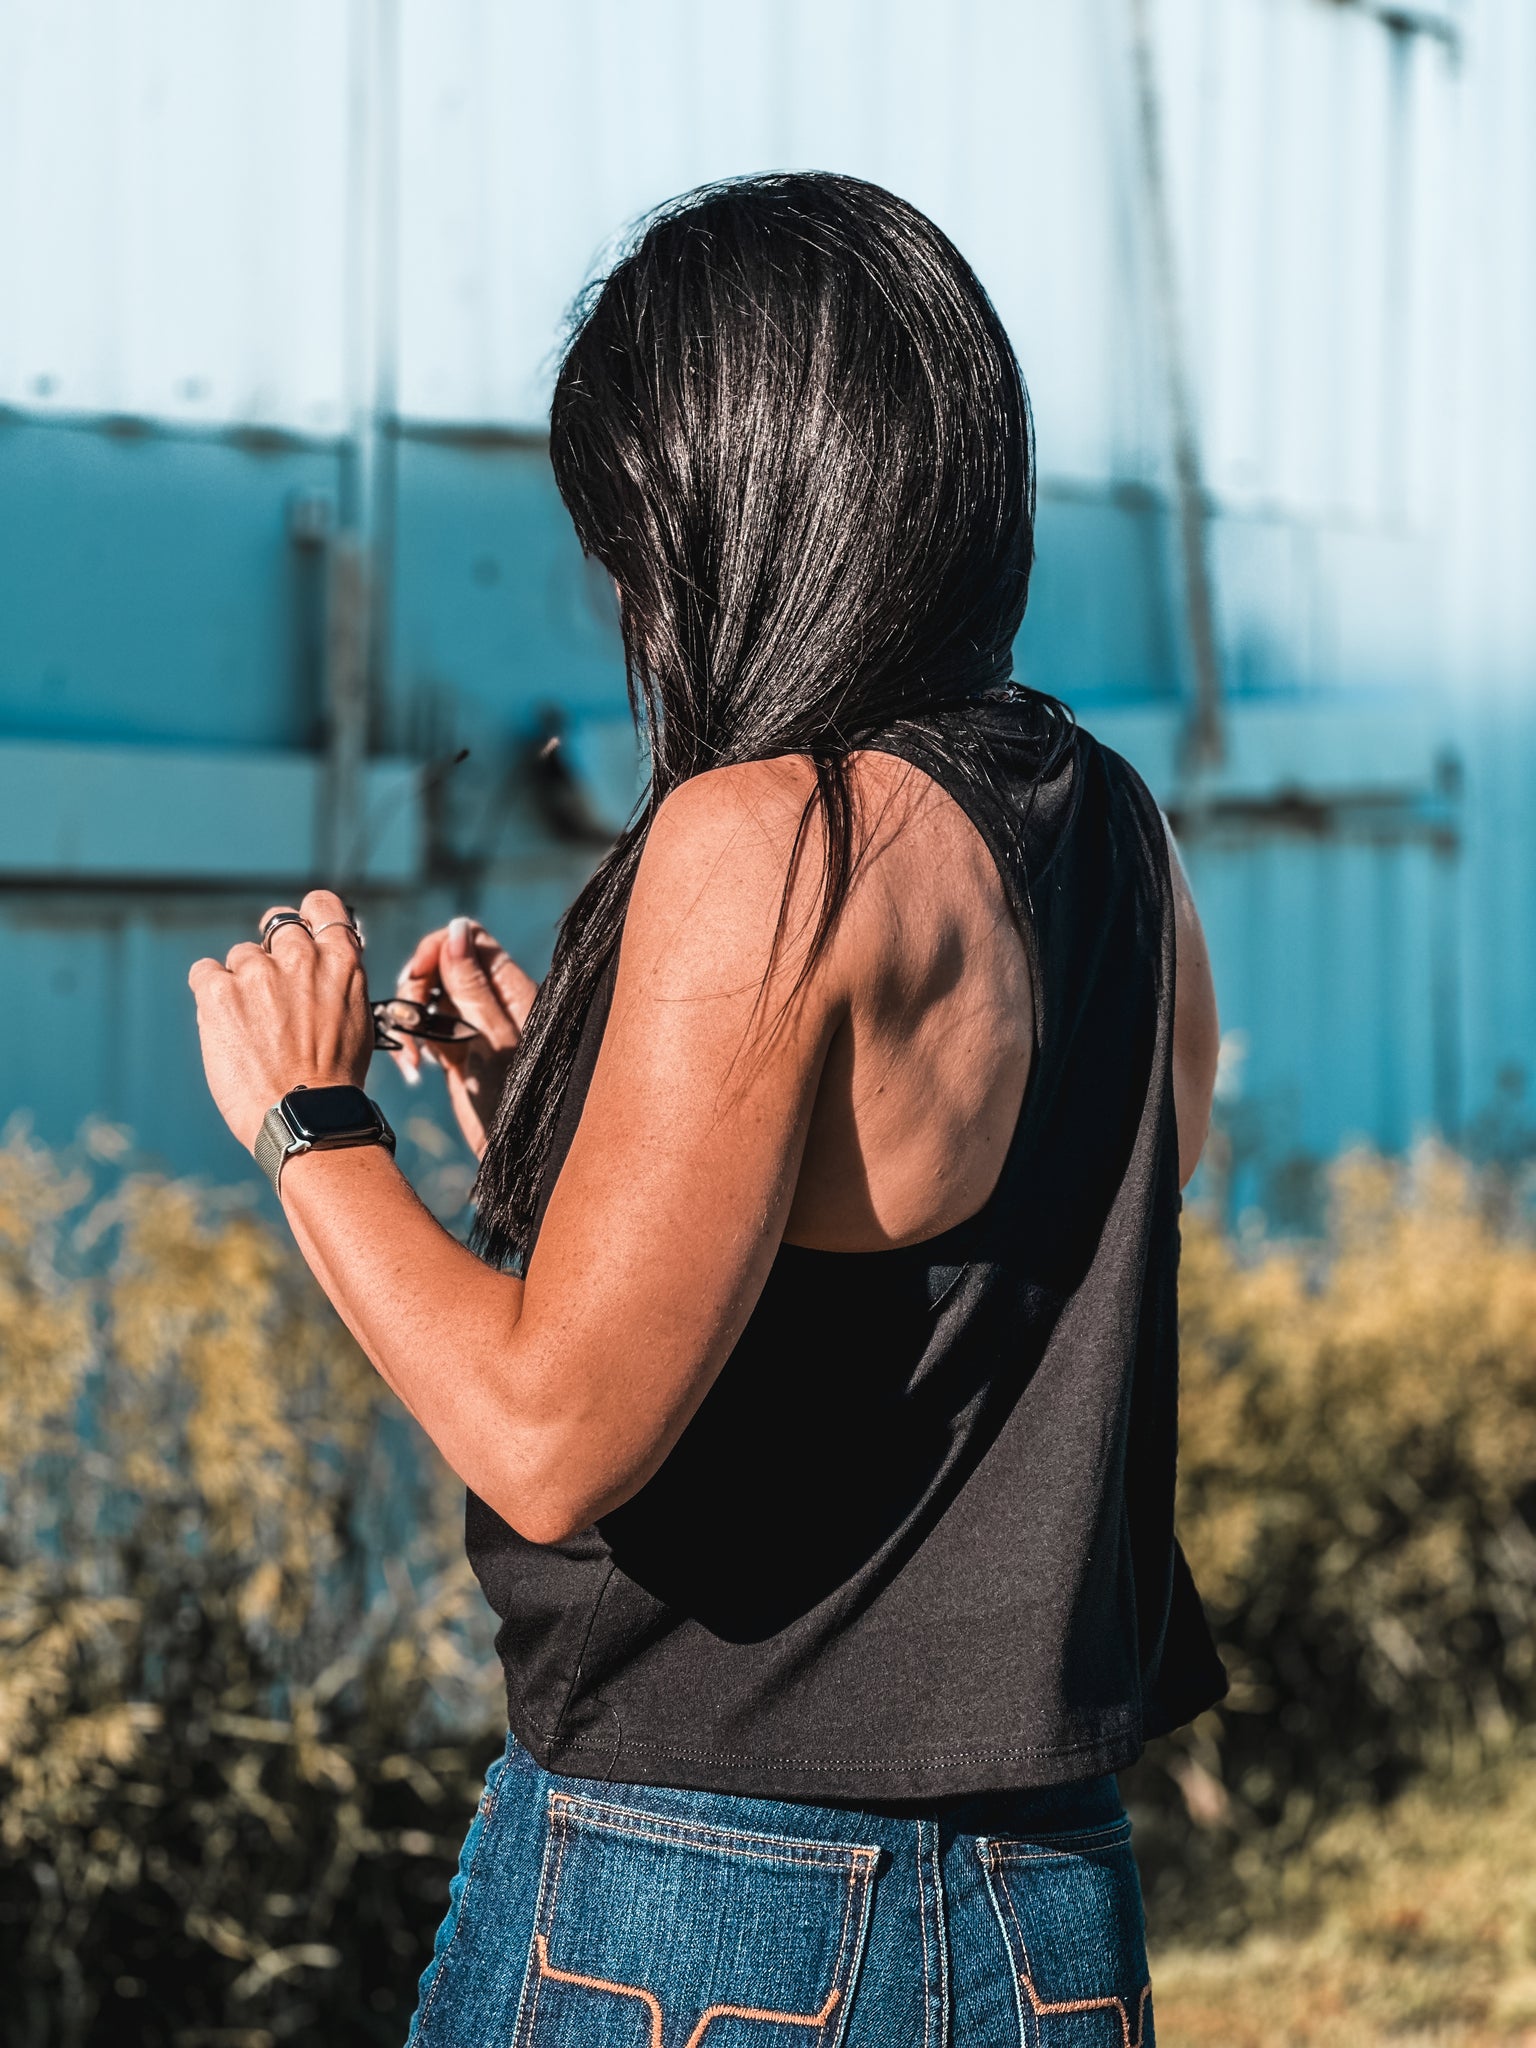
(790, 426)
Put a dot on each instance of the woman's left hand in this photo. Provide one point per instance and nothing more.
(295, 1016)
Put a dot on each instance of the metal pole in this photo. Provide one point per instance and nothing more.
(357, 634)
(381, 419)
(1204, 741)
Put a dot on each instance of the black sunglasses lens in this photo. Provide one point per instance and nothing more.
(399, 1013)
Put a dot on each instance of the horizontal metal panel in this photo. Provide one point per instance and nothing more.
(150, 586)
(496, 610)
(1330, 749)
(167, 586)
(998, 118)
(163, 814)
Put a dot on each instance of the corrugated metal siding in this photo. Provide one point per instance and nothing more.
(1320, 941)
(179, 177)
(178, 183)
(190, 165)
(1481, 439)
(194, 214)
(530, 135)
(1310, 151)
(150, 587)
(173, 209)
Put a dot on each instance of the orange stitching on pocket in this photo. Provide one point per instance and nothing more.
(560, 1834)
(995, 1860)
(653, 2004)
(647, 1998)
(752, 2012)
(1044, 2008)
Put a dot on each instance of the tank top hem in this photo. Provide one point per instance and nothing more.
(847, 1781)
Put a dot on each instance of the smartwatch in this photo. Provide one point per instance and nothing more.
(318, 1120)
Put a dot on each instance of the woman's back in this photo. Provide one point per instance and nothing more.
(921, 1086)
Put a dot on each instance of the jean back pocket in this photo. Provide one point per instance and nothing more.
(1071, 1914)
(656, 1931)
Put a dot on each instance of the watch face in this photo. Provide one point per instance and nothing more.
(322, 1114)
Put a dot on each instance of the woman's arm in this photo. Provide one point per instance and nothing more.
(557, 1399)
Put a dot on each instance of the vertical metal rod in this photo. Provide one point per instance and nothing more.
(1204, 742)
(382, 411)
(346, 676)
(1392, 391)
(358, 607)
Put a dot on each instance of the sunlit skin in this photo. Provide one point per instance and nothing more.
(872, 1108)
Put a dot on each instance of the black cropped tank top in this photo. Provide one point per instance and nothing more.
(918, 1540)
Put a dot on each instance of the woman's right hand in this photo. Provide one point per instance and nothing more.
(461, 968)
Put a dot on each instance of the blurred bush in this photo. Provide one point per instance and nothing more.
(246, 1691)
(245, 1695)
(1357, 1486)
(1419, 1929)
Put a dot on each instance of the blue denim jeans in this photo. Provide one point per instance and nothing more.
(587, 1915)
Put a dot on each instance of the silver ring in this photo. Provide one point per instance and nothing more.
(275, 923)
(346, 925)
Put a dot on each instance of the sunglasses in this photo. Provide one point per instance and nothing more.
(416, 1020)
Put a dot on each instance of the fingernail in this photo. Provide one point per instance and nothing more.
(458, 937)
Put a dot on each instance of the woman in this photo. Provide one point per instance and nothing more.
(814, 1383)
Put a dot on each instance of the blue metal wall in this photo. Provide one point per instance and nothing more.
(242, 307)
(161, 625)
(158, 785)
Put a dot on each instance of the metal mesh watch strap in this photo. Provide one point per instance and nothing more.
(276, 1142)
(273, 1142)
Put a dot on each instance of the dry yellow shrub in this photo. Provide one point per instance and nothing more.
(1357, 1474)
(239, 1645)
(244, 1683)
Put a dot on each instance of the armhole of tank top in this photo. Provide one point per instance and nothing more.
(1160, 854)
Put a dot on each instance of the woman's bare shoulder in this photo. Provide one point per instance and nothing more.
(724, 844)
(748, 811)
(708, 912)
